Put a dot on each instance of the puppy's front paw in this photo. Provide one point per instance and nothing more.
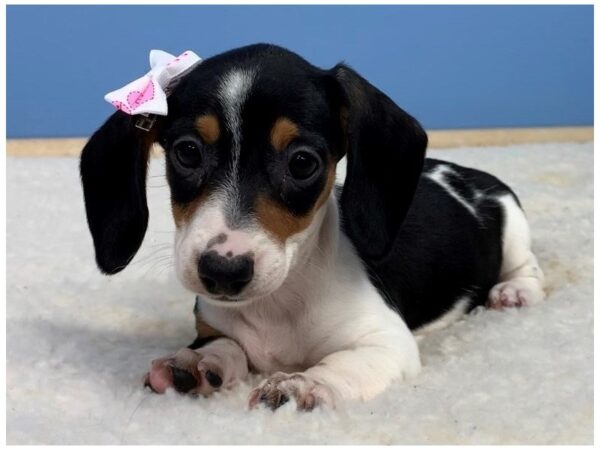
(281, 387)
(187, 371)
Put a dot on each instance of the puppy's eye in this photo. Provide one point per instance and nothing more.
(303, 164)
(187, 153)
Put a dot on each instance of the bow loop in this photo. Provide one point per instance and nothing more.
(148, 94)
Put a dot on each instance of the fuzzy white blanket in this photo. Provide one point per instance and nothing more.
(78, 343)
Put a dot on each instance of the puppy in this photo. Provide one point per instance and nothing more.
(320, 288)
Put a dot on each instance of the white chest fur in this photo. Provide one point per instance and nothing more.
(327, 304)
(273, 338)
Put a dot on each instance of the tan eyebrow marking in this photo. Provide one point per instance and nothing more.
(208, 128)
(282, 133)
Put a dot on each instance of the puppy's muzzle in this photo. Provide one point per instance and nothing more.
(225, 275)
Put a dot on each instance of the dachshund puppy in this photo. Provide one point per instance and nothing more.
(319, 287)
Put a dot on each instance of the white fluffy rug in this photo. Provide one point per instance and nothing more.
(79, 342)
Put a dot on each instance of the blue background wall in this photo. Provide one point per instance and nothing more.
(450, 66)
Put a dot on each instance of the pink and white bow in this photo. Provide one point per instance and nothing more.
(148, 94)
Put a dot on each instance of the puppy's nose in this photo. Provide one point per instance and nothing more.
(225, 275)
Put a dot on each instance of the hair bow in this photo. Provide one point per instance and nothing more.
(148, 94)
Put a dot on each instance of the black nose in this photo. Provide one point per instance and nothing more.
(224, 275)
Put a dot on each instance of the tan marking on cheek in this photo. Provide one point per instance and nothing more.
(208, 128)
(283, 132)
(277, 220)
(183, 213)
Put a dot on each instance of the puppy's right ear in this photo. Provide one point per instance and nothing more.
(113, 173)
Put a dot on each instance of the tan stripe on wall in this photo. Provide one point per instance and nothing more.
(437, 139)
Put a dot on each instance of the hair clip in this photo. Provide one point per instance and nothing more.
(147, 96)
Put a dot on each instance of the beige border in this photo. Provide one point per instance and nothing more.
(437, 139)
(507, 136)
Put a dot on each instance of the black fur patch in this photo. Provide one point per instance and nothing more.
(442, 252)
(113, 173)
(202, 341)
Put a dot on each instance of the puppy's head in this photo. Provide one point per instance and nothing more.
(251, 143)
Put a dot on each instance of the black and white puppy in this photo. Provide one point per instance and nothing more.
(319, 288)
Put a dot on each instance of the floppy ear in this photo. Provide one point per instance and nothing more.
(385, 150)
(113, 173)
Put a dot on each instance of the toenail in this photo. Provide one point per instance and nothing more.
(283, 399)
(213, 379)
(280, 400)
(183, 381)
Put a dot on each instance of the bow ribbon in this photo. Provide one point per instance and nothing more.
(148, 94)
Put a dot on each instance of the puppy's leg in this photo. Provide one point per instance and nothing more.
(360, 372)
(218, 364)
(521, 278)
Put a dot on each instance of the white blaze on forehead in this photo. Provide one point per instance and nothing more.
(233, 92)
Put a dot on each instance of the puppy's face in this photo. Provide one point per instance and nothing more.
(251, 144)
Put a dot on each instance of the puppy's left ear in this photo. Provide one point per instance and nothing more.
(385, 149)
